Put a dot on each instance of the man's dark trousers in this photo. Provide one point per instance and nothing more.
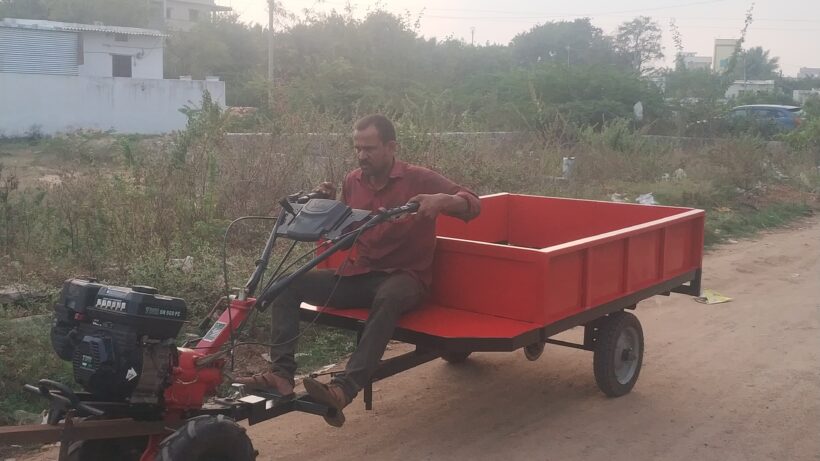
(389, 295)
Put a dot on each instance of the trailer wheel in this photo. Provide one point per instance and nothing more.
(455, 357)
(618, 353)
(208, 438)
(124, 448)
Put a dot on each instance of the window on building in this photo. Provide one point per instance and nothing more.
(169, 12)
(120, 37)
(193, 15)
(121, 65)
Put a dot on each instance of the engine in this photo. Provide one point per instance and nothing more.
(120, 341)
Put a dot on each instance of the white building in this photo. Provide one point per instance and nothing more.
(59, 48)
(809, 72)
(801, 96)
(184, 14)
(693, 62)
(59, 76)
(724, 49)
(740, 87)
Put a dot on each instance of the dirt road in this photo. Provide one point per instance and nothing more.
(736, 381)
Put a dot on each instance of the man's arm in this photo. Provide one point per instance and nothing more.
(458, 205)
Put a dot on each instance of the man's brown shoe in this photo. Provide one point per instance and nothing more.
(331, 395)
(268, 381)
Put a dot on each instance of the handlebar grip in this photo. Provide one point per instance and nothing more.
(410, 207)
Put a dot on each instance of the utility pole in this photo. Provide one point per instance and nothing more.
(270, 54)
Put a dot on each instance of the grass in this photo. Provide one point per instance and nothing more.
(721, 226)
(25, 357)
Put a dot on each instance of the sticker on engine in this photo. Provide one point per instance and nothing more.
(214, 331)
(131, 374)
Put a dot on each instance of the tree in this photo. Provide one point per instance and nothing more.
(572, 43)
(111, 12)
(639, 42)
(699, 84)
(225, 47)
(755, 64)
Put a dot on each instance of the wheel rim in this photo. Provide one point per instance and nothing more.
(627, 354)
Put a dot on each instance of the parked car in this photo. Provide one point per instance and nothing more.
(777, 117)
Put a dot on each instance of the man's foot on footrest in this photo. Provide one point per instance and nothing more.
(331, 395)
(268, 381)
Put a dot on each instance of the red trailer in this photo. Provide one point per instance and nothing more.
(530, 267)
(526, 269)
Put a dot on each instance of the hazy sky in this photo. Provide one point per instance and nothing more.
(789, 28)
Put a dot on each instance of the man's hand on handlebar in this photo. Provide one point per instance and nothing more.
(326, 190)
(430, 205)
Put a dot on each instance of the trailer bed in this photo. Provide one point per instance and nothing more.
(529, 267)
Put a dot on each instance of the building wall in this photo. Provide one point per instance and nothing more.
(692, 62)
(740, 87)
(801, 96)
(98, 47)
(56, 103)
(809, 72)
(178, 13)
(724, 48)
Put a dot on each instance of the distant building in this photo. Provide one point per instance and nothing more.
(657, 80)
(801, 96)
(741, 87)
(31, 46)
(693, 62)
(724, 49)
(57, 77)
(184, 14)
(809, 72)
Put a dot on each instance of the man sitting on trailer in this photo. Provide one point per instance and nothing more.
(391, 271)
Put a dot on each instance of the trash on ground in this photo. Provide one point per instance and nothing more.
(646, 199)
(712, 297)
(185, 264)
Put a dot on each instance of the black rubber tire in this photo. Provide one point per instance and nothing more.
(121, 449)
(609, 355)
(208, 438)
(455, 358)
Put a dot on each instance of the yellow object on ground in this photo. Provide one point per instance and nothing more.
(712, 297)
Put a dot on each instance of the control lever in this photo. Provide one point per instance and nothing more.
(285, 204)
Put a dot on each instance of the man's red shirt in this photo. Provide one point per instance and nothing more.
(408, 243)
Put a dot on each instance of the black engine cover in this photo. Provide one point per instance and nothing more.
(107, 361)
(106, 331)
